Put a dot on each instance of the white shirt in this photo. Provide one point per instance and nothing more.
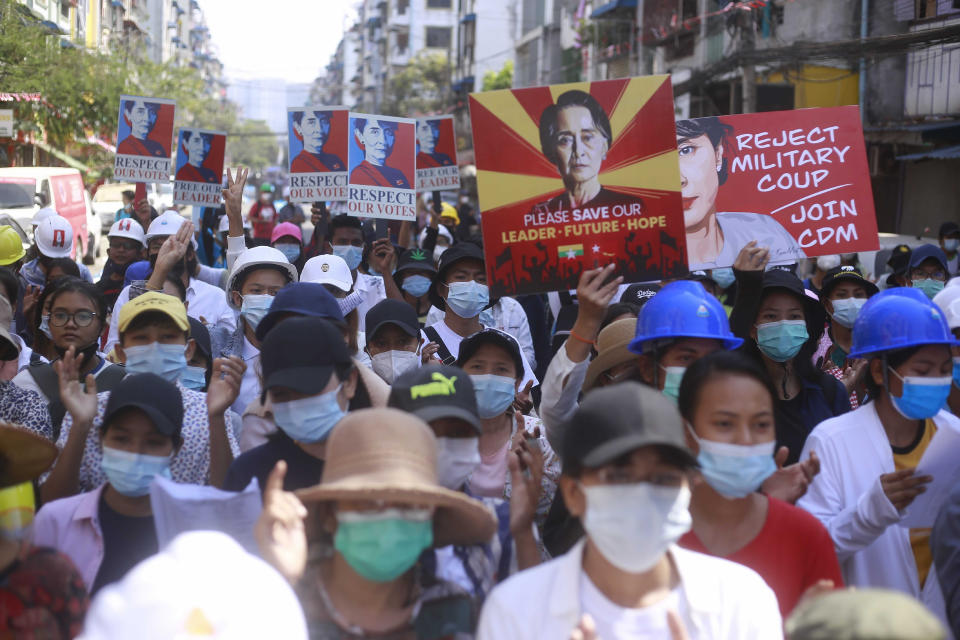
(507, 316)
(452, 341)
(560, 393)
(717, 600)
(250, 385)
(204, 301)
(621, 623)
(372, 290)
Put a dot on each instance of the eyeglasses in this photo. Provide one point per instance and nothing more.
(81, 318)
(927, 275)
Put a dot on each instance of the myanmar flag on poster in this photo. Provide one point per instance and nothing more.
(570, 166)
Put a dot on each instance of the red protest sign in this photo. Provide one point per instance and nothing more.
(317, 139)
(437, 168)
(797, 182)
(382, 165)
(571, 177)
(144, 137)
(199, 175)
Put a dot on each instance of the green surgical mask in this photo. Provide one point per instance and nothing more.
(671, 382)
(929, 286)
(382, 546)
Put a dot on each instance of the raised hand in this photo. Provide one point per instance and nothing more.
(82, 404)
(790, 483)
(752, 258)
(174, 248)
(233, 195)
(382, 256)
(280, 532)
(224, 384)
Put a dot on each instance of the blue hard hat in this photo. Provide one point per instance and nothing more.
(898, 319)
(682, 309)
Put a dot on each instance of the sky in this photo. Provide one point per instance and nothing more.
(289, 39)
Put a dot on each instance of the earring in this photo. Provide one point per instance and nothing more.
(719, 168)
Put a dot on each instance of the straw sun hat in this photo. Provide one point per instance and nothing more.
(24, 455)
(389, 456)
(612, 349)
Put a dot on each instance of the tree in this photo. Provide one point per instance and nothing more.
(503, 79)
(252, 144)
(420, 88)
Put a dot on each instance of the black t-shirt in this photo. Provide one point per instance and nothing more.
(303, 470)
(126, 541)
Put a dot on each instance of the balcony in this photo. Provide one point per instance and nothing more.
(931, 88)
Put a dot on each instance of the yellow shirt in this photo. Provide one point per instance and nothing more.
(919, 538)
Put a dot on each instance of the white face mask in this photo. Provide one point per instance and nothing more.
(457, 458)
(634, 524)
(390, 365)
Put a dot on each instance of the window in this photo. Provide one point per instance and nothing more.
(438, 37)
(438, 4)
(403, 41)
(402, 6)
(926, 9)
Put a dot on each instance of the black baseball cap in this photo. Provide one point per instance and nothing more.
(301, 354)
(389, 311)
(148, 392)
(415, 259)
(433, 392)
(640, 293)
(470, 345)
(201, 336)
(948, 229)
(302, 299)
(613, 421)
(845, 273)
(899, 259)
(459, 251)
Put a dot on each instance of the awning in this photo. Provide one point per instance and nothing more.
(116, 3)
(60, 155)
(604, 9)
(943, 153)
(53, 27)
(470, 17)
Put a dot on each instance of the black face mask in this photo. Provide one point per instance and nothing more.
(85, 354)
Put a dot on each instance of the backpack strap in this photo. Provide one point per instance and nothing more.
(445, 356)
(46, 378)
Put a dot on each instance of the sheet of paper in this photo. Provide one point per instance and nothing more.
(188, 507)
(939, 461)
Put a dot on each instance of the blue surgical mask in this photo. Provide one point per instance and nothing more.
(131, 473)
(671, 382)
(352, 255)
(290, 251)
(45, 326)
(951, 244)
(921, 397)
(254, 308)
(382, 546)
(781, 341)
(723, 277)
(467, 299)
(165, 360)
(845, 311)
(956, 372)
(194, 378)
(735, 470)
(495, 394)
(929, 286)
(416, 285)
(309, 420)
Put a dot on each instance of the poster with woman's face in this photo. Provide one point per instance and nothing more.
(578, 176)
(437, 168)
(318, 139)
(199, 173)
(796, 182)
(144, 136)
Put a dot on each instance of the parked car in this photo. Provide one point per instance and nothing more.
(108, 200)
(23, 190)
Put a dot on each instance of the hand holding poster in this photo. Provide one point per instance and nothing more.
(144, 136)
(382, 159)
(577, 176)
(437, 167)
(199, 176)
(317, 148)
(795, 181)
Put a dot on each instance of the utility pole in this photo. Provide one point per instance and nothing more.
(749, 73)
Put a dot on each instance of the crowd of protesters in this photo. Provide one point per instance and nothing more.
(730, 455)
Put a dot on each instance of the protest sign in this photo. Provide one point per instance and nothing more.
(199, 176)
(437, 168)
(382, 160)
(317, 148)
(6, 123)
(144, 136)
(578, 176)
(797, 182)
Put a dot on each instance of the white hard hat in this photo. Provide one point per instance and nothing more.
(328, 269)
(949, 302)
(258, 257)
(54, 237)
(42, 214)
(202, 585)
(127, 228)
(166, 224)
